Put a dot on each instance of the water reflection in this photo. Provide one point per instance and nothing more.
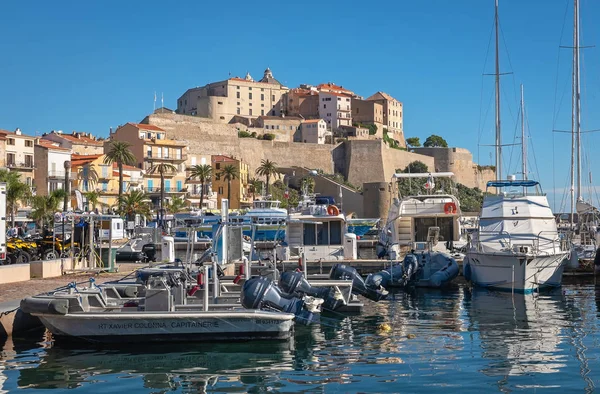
(520, 334)
(162, 367)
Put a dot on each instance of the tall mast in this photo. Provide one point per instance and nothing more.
(498, 135)
(577, 98)
(523, 141)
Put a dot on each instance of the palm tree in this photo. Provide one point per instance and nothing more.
(162, 169)
(44, 207)
(203, 172)
(254, 186)
(121, 154)
(93, 198)
(267, 169)
(16, 191)
(229, 173)
(177, 204)
(87, 177)
(135, 202)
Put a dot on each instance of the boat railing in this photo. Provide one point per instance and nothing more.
(544, 242)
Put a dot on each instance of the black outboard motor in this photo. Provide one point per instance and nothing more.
(344, 272)
(597, 261)
(410, 266)
(295, 284)
(150, 251)
(261, 293)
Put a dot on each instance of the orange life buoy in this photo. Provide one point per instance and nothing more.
(449, 208)
(333, 210)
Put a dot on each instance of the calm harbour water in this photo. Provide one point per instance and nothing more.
(456, 340)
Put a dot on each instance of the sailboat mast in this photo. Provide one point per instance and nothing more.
(498, 135)
(577, 98)
(523, 141)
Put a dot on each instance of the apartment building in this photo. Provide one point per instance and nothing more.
(392, 115)
(302, 101)
(78, 142)
(283, 127)
(234, 97)
(150, 146)
(313, 131)
(49, 172)
(335, 108)
(240, 197)
(367, 112)
(19, 153)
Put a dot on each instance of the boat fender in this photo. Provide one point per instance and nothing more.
(45, 306)
(449, 208)
(300, 263)
(241, 270)
(237, 279)
(332, 210)
(200, 280)
(467, 271)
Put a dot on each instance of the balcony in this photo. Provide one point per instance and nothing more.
(21, 166)
(167, 190)
(56, 174)
(171, 159)
(135, 180)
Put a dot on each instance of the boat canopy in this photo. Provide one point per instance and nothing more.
(424, 175)
(515, 183)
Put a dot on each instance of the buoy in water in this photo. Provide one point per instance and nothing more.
(411, 336)
(384, 327)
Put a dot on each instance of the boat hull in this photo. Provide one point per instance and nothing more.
(508, 272)
(172, 326)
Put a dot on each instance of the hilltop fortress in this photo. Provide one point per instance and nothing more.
(359, 161)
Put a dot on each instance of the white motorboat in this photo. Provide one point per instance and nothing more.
(426, 225)
(517, 245)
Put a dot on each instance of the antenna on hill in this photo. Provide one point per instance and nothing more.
(162, 102)
(154, 101)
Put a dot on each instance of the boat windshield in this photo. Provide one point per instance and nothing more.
(265, 204)
(515, 188)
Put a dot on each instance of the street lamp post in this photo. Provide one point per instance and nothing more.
(67, 190)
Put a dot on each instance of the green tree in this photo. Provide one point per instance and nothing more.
(177, 204)
(372, 129)
(203, 173)
(44, 207)
(135, 202)
(308, 184)
(416, 167)
(87, 177)
(267, 169)
(162, 169)
(254, 186)
(435, 141)
(16, 192)
(93, 198)
(120, 153)
(229, 173)
(415, 142)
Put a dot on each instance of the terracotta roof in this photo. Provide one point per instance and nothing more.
(49, 145)
(126, 167)
(80, 140)
(332, 86)
(13, 134)
(116, 173)
(337, 94)
(76, 156)
(216, 158)
(312, 120)
(380, 96)
(145, 126)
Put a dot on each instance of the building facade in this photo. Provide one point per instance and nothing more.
(50, 166)
(241, 97)
(79, 143)
(302, 102)
(19, 155)
(368, 112)
(335, 109)
(150, 147)
(313, 131)
(392, 116)
(239, 186)
(283, 127)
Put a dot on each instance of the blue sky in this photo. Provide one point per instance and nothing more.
(87, 66)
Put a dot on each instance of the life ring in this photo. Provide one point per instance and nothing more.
(449, 208)
(332, 210)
